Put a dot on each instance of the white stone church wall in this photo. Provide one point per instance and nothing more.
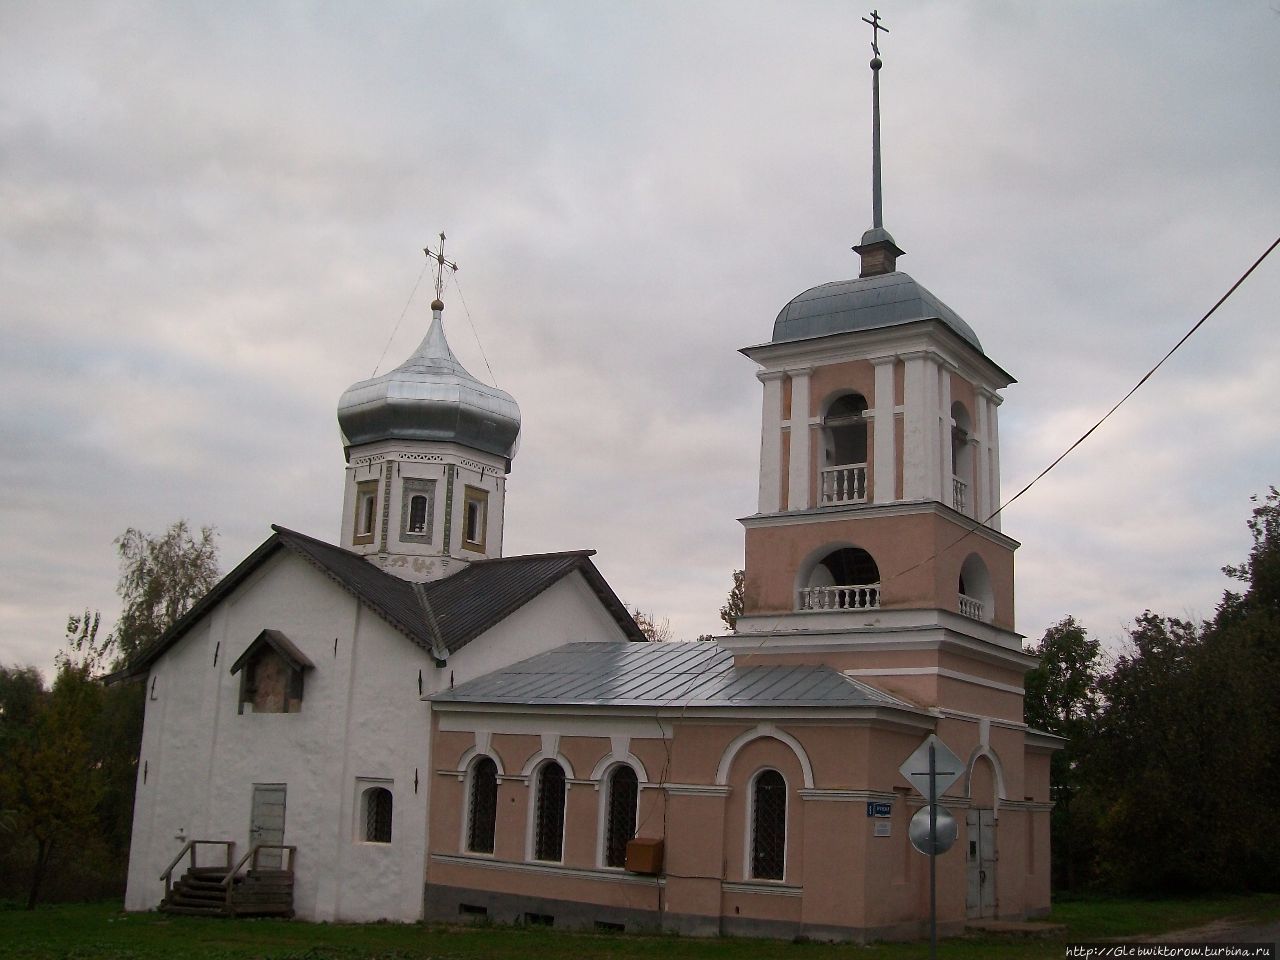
(362, 723)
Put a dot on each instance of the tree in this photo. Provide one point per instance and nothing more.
(655, 630)
(49, 785)
(1062, 698)
(732, 608)
(160, 579)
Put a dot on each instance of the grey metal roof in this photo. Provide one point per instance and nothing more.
(867, 303)
(678, 675)
(431, 396)
(447, 613)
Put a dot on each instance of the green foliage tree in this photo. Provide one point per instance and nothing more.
(1062, 698)
(733, 606)
(1177, 771)
(49, 784)
(161, 577)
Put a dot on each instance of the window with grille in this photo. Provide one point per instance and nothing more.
(548, 840)
(768, 826)
(377, 815)
(621, 824)
(482, 806)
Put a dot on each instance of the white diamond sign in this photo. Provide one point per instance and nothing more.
(947, 768)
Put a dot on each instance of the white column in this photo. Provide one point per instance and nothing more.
(798, 468)
(994, 468)
(885, 444)
(771, 443)
(915, 428)
(982, 506)
(944, 435)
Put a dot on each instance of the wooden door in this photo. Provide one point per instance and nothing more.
(266, 823)
(980, 861)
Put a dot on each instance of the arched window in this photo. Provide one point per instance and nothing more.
(961, 458)
(377, 815)
(845, 579)
(976, 597)
(768, 826)
(548, 828)
(620, 826)
(482, 806)
(844, 428)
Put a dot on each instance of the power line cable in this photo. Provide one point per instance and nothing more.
(1085, 436)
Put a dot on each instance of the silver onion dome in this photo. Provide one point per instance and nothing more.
(431, 396)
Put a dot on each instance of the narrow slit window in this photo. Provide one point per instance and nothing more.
(482, 806)
(549, 825)
(377, 815)
(474, 515)
(768, 826)
(620, 827)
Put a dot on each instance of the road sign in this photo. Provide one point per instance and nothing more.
(948, 768)
(879, 808)
(944, 837)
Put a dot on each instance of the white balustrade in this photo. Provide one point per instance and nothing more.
(846, 483)
(960, 494)
(864, 596)
(971, 608)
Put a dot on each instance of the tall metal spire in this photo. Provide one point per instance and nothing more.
(878, 251)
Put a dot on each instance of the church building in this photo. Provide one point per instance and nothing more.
(410, 725)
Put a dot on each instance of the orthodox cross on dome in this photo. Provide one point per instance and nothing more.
(441, 263)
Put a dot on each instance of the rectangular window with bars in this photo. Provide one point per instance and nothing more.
(548, 842)
(769, 826)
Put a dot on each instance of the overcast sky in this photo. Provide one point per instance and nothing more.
(212, 215)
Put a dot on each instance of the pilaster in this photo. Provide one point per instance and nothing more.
(884, 442)
(798, 480)
(771, 443)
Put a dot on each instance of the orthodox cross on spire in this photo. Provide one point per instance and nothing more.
(874, 21)
(877, 203)
(441, 263)
(878, 251)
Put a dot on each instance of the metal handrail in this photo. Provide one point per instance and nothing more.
(190, 847)
(253, 855)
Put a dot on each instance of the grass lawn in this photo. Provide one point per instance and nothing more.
(101, 930)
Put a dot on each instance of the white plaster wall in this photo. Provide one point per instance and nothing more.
(362, 717)
(567, 612)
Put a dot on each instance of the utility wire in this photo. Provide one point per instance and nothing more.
(467, 311)
(1085, 436)
(401, 320)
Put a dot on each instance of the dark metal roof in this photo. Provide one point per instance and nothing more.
(678, 675)
(867, 303)
(442, 616)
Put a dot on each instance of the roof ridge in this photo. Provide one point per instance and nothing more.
(535, 556)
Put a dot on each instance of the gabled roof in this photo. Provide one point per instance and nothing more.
(442, 616)
(277, 641)
(657, 675)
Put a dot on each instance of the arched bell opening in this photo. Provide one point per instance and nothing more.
(844, 454)
(845, 578)
(961, 458)
(974, 588)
